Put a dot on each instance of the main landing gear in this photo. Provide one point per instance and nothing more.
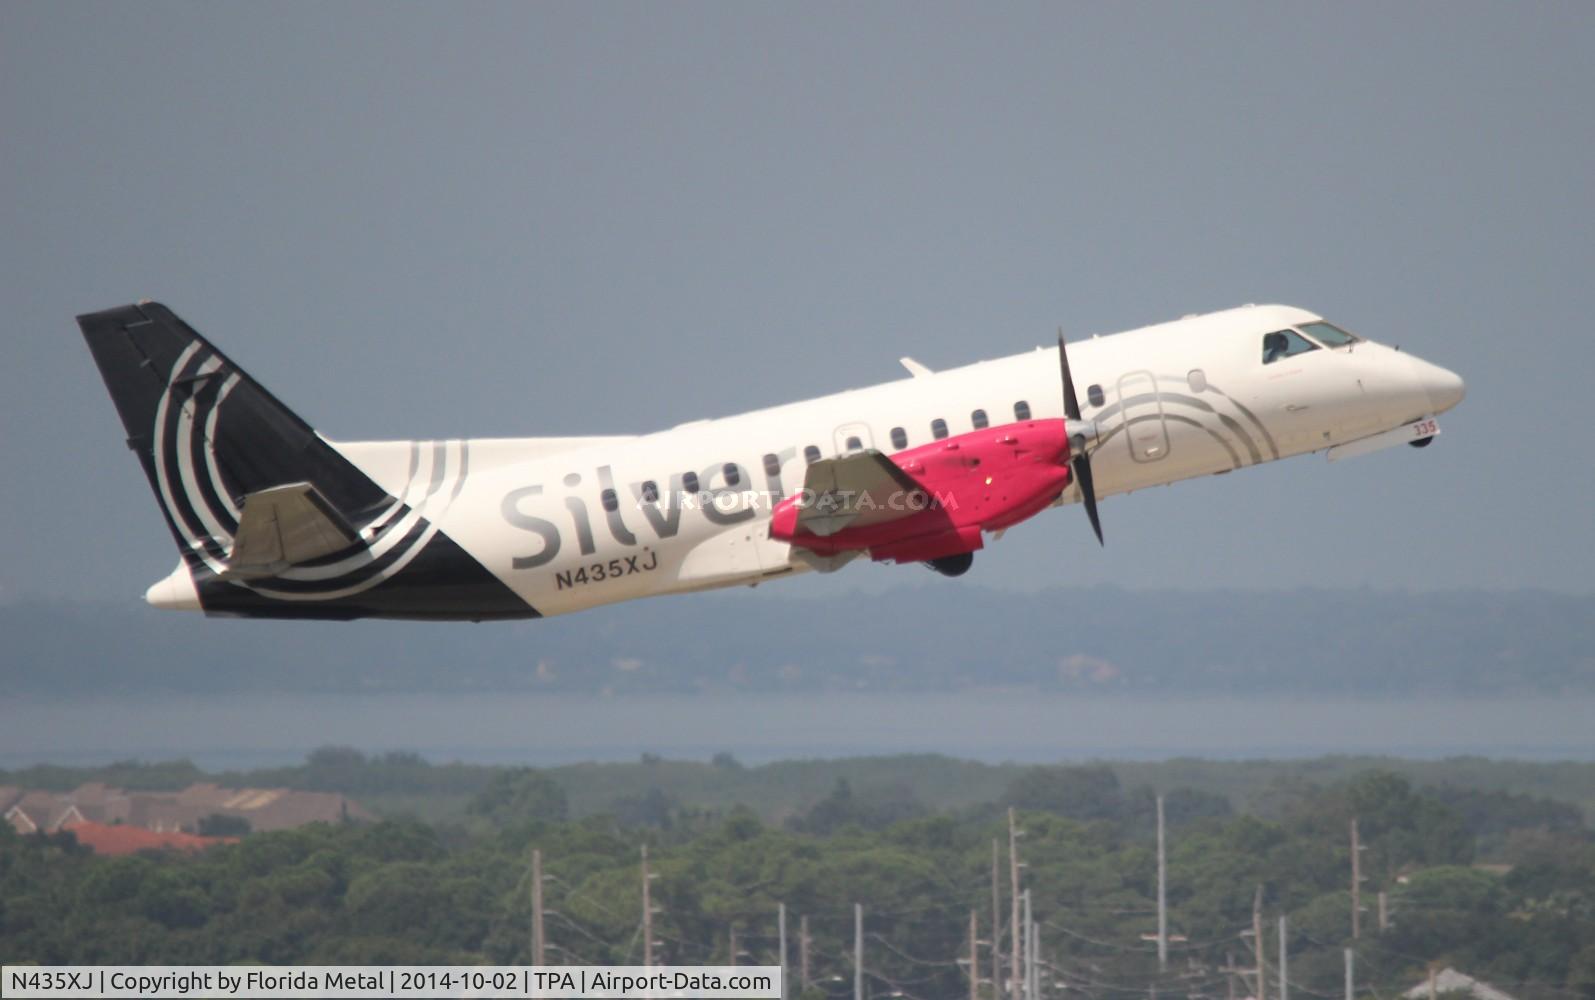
(953, 565)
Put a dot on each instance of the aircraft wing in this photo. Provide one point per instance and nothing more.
(856, 490)
(284, 526)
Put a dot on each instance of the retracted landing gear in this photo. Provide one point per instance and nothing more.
(953, 565)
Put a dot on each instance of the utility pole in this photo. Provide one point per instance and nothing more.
(1284, 962)
(996, 922)
(974, 956)
(803, 951)
(1257, 943)
(733, 944)
(539, 943)
(1035, 960)
(1033, 950)
(1350, 967)
(1384, 911)
(1030, 952)
(780, 923)
(1013, 879)
(648, 914)
(1433, 990)
(1356, 882)
(1229, 977)
(1162, 895)
(858, 951)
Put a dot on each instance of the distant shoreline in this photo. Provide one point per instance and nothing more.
(551, 729)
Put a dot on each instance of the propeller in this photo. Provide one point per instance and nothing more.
(1080, 461)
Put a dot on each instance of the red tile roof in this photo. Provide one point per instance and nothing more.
(103, 839)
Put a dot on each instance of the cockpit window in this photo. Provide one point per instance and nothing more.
(1285, 344)
(1328, 334)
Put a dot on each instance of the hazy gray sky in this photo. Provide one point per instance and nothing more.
(452, 220)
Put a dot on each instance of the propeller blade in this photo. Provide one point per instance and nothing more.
(1081, 462)
(1088, 493)
(1071, 403)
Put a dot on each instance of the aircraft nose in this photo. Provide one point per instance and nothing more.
(1444, 387)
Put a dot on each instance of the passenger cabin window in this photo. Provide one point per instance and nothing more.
(811, 454)
(978, 418)
(1094, 395)
(1021, 410)
(650, 492)
(689, 482)
(610, 500)
(854, 444)
(1328, 334)
(732, 473)
(772, 466)
(938, 428)
(899, 438)
(1285, 344)
(1196, 379)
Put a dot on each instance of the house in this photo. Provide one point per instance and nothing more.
(181, 811)
(263, 808)
(1449, 980)
(41, 812)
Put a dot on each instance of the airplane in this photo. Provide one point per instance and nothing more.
(274, 520)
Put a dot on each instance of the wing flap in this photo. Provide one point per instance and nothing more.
(285, 526)
(856, 490)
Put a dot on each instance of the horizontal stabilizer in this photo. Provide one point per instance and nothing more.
(282, 527)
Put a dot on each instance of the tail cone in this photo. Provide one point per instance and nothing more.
(175, 592)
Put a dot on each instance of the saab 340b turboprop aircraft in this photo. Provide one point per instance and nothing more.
(273, 520)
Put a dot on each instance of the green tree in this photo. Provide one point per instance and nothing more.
(224, 825)
(520, 794)
(873, 810)
(1076, 792)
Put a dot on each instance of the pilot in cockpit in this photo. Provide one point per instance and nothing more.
(1274, 346)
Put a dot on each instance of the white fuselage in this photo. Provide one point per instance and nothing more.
(1169, 402)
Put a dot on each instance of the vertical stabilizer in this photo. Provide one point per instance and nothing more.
(270, 519)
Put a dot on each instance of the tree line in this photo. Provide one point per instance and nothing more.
(457, 889)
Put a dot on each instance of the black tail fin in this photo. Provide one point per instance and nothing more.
(209, 437)
(168, 383)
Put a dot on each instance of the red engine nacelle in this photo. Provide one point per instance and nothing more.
(985, 480)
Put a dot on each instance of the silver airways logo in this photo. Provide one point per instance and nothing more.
(722, 503)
